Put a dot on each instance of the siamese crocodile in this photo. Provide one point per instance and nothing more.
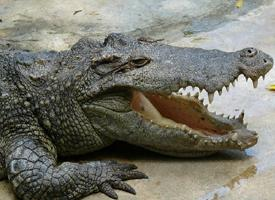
(83, 99)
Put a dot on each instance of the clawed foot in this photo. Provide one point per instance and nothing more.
(113, 175)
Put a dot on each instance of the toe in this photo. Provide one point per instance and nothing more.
(107, 189)
(123, 186)
(131, 175)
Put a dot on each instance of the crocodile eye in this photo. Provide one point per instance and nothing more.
(139, 61)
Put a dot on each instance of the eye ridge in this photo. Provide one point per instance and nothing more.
(139, 61)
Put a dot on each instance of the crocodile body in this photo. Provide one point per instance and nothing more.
(81, 100)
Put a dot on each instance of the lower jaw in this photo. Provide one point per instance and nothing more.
(184, 114)
(187, 153)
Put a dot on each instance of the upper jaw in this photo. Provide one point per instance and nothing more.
(214, 84)
(173, 68)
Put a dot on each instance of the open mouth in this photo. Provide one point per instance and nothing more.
(188, 113)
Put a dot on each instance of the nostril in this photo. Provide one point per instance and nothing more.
(251, 52)
(268, 61)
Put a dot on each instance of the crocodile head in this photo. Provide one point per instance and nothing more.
(136, 99)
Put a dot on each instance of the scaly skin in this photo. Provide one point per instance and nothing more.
(81, 100)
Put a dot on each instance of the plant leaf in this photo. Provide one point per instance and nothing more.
(239, 3)
(271, 87)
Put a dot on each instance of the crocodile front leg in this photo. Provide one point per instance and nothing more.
(31, 165)
(34, 173)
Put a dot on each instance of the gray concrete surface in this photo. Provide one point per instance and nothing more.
(248, 175)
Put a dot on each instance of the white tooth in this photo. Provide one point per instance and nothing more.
(255, 83)
(234, 137)
(246, 78)
(210, 97)
(227, 88)
(196, 95)
(220, 140)
(231, 142)
(181, 90)
(241, 116)
(233, 83)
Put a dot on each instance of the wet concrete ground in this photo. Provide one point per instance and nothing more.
(248, 175)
